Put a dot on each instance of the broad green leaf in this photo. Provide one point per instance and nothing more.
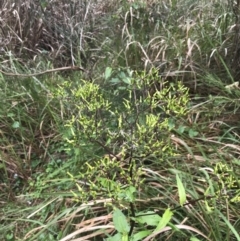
(181, 191)
(130, 193)
(16, 125)
(116, 237)
(127, 80)
(10, 115)
(192, 133)
(164, 220)
(181, 129)
(171, 123)
(122, 75)
(194, 239)
(151, 220)
(115, 80)
(108, 72)
(120, 222)
(140, 235)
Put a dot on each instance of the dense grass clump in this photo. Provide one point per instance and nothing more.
(119, 120)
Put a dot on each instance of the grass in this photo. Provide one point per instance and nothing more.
(95, 154)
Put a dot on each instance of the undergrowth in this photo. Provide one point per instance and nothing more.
(142, 143)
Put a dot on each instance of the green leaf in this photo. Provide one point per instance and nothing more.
(122, 75)
(127, 80)
(116, 237)
(121, 87)
(44, 4)
(115, 80)
(120, 222)
(171, 123)
(124, 237)
(181, 191)
(10, 115)
(151, 220)
(9, 237)
(181, 129)
(108, 72)
(16, 124)
(194, 239)
(164, 220)
(233, 229)
(140, 235)
(130, 193)
(192, 133)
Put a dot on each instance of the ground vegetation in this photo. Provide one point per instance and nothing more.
(119, 120)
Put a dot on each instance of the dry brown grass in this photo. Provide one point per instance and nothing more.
(59, 29)
(87, 33)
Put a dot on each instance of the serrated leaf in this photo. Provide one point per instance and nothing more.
(164, 220)
(120, 222)
(181, 191)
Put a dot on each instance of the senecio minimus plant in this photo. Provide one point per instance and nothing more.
(131, 127)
